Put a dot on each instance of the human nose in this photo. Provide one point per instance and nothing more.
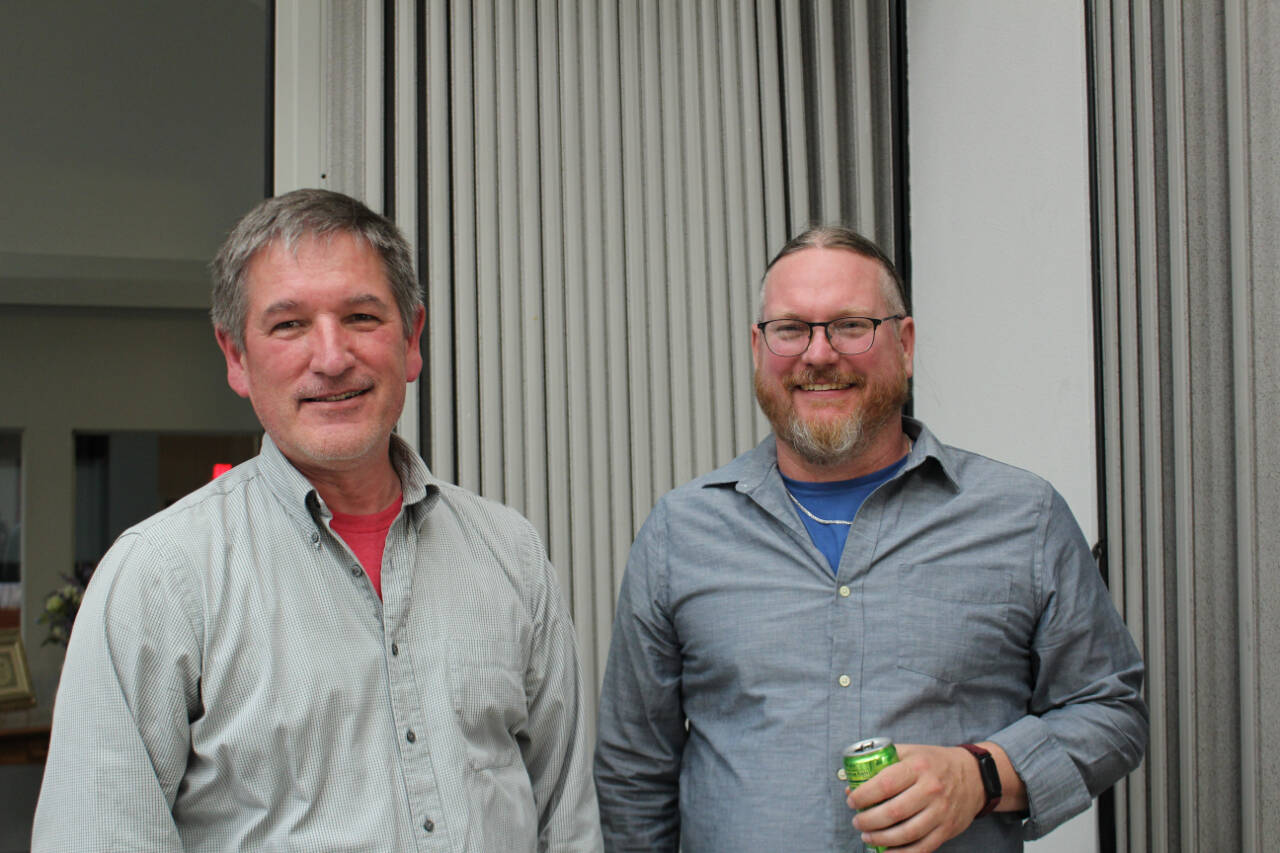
(330, 349)
(820, 350)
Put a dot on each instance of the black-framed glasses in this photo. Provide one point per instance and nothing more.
(788, 337)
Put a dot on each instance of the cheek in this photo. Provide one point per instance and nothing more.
(273, 374)
(776, 368)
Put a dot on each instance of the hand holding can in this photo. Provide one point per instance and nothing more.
(864, 759)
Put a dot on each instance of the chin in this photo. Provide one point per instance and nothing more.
(340, 450)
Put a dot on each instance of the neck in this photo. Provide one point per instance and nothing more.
(360, 491)
(890, 445)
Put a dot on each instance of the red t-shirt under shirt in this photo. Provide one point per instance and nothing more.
(366, 536)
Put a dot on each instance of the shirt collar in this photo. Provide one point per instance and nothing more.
(299, 498)
(925, 447)
(754, 467)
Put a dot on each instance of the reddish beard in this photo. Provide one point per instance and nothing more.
(827, 441)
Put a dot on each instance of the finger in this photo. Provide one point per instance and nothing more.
(895, 810)
(889, 782)
(909, 834)
(929, 843)
(933, 818)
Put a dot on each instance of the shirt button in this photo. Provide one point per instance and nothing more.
(845, 681)
(410, 736)
(429, 825)
(844, 592)
(841, 775)
(355, 571)
(395, 650)
(315, 539)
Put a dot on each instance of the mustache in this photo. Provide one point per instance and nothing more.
(313, 390)
(824, 376)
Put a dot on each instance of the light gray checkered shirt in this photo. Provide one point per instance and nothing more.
(234, 682)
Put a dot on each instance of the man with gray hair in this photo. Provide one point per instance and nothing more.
(851, 579)
(326, 648)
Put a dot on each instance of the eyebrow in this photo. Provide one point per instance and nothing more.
(284, 306)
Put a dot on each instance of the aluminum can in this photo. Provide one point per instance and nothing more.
(864, 759)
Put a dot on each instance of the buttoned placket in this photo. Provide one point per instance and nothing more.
(421, 785)
(417, 770)
(844, 617)
(848, 621)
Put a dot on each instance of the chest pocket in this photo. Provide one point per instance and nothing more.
(486, 678)
(960, 616)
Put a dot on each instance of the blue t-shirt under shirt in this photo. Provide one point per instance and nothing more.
(839, 500)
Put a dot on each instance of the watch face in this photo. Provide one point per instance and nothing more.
(990, 775)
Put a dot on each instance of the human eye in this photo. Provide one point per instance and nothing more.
(789, 330)
(851, 327)
(285, 326)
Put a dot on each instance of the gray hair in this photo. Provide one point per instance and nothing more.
(287, 219)
(842, 237)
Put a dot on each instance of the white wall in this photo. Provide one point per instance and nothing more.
(999, 198)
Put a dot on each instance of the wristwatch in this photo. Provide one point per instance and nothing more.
(990, 778)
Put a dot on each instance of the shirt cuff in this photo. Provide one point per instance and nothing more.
(1056, 791)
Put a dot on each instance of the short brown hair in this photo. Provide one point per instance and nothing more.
(289, 218)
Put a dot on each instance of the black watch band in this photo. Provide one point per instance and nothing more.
(990, 778)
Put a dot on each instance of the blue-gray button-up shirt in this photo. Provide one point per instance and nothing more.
(966, 607)
(234, 682)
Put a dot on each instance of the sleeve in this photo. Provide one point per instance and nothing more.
(557, 751)
(121, 720)
(641, 724)
(1087, 725)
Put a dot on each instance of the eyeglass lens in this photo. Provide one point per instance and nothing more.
(848, 335)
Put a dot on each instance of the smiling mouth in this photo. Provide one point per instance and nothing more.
(828, 387)
(337, 398)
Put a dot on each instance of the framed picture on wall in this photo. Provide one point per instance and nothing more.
(15, 678)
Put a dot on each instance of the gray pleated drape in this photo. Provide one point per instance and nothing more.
(603, 183)
(1187, 137)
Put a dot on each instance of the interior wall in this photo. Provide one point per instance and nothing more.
(95, 370)
(73, 369)
(134, 139)
(134, 136)
(1000, 247)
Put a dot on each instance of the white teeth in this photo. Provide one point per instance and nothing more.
(822, 387)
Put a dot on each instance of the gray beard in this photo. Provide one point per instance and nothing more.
(823, 445)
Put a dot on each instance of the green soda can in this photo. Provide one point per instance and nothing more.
(864, 759)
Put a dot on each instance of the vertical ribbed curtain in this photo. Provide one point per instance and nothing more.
(601, 184)
(1186, 111)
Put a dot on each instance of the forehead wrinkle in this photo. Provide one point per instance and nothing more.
(888, 291)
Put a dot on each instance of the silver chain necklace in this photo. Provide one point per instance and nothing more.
(805, 510)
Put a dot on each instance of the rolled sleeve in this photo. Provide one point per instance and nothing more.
(1088, 722)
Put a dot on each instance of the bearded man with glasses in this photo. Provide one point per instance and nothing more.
(853, 577)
